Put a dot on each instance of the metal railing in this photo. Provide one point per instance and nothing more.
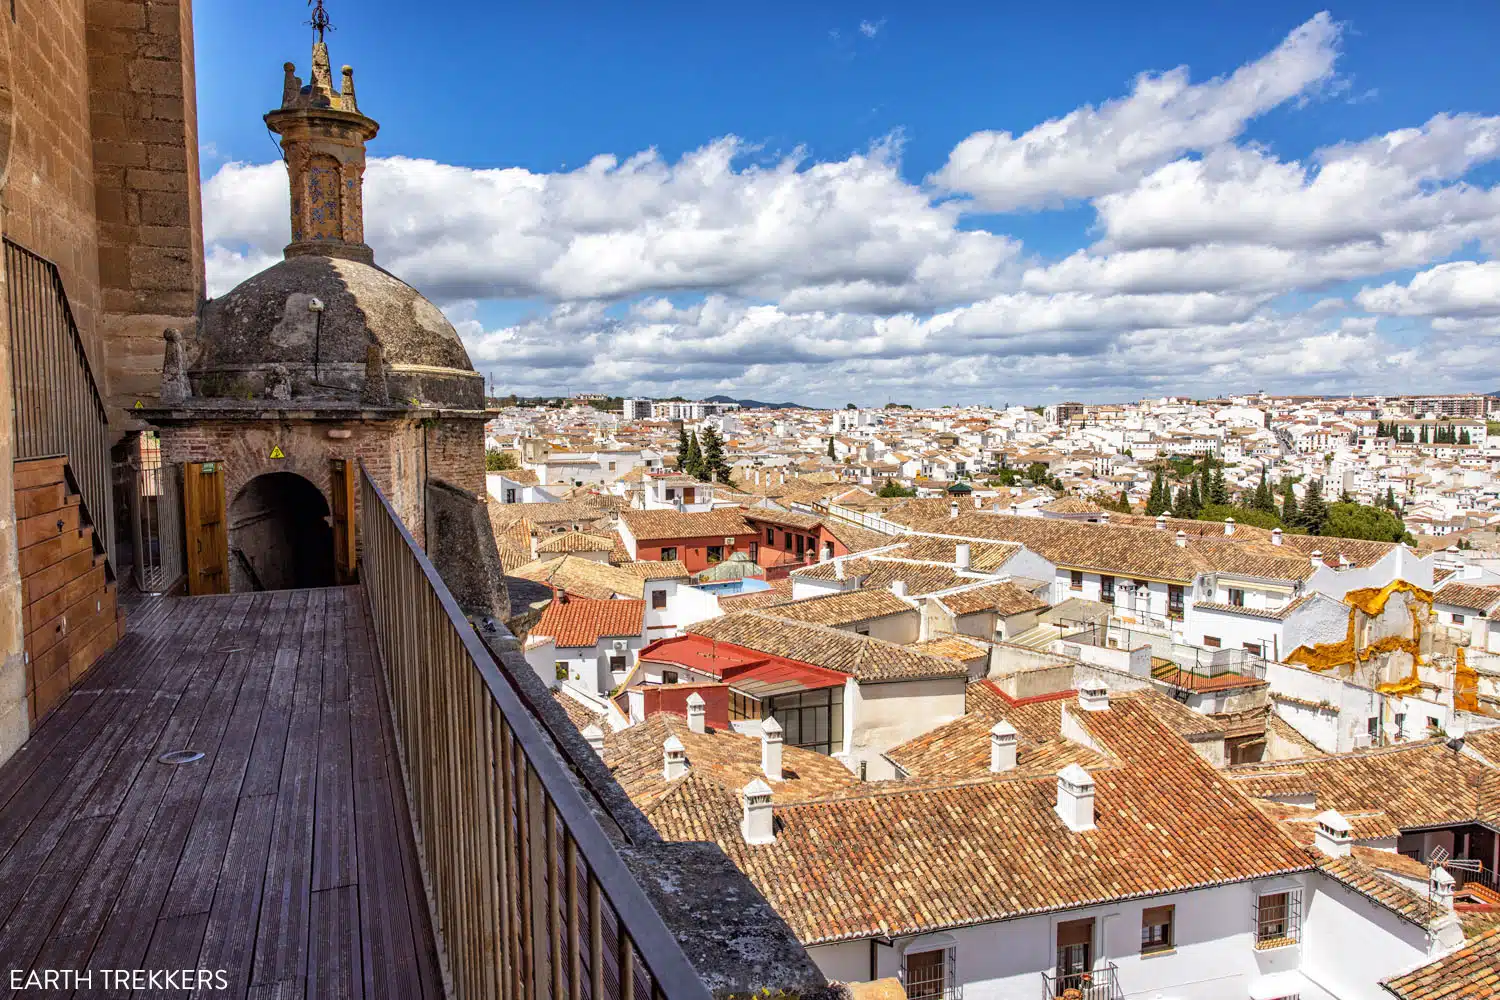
(59, 409)
(155, 517)
(529, 896)
(1483, 876)
(1102, 983)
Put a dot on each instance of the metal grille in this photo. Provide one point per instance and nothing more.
(58, 407)
(931, 975)
(1278, 918)
(155, 518)
(1102, 983)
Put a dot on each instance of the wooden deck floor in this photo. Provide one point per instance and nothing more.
(284, 857)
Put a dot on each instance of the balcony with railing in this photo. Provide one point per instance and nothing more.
(1102, 983)
(345, 791)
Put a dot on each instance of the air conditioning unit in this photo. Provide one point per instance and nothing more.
(622, 645)
(729, 540)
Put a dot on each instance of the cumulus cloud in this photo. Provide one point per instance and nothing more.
(1094, 151)
(1460, 289)
(850, 234)
(778, 276)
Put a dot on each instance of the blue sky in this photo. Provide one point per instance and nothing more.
(886, 264)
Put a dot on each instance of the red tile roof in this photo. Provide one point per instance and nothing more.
(582, 622)
(1469, 973)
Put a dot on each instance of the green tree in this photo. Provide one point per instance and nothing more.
(1264, 500)
(714, 468)
(894, 489)
(1357, 520)
(1037, 473)
(1288, 503)
(850, 406)
(694, 464)
(682, 449)
(1122, 504)
(1195, 500)
(1004, 477)
(1242, 515)
(1390, 498)
(1219, 490)
(1160, 498)
(496, 460)
(1183, 505)
(831, 452)
(1463, 437)
(1313, 510)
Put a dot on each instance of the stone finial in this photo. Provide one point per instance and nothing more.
(291, 85)
(375, 391)
(279, 384)
(346, 93)
(175, 387)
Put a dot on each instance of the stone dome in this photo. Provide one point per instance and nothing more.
(307, 325)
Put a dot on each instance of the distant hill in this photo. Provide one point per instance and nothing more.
(755, 404)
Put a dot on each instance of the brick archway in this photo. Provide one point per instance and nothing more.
(280, 536)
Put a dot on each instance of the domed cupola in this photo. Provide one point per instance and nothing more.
(325, 327)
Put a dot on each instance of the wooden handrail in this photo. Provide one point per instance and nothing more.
(529, 896)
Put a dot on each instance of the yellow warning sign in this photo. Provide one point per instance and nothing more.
(276, 451)
(139, 405)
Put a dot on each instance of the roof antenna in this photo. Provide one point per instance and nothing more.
(319, 22)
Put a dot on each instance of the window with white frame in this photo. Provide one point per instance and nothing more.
(1278, 919)
(930, 975)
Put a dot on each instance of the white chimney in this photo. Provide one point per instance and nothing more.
(1015, 508)
(1228, 525)
(674, 758)
(595, 737)
(1075, 798)
(1161, 522)
(1333, 834)
(1181, 539)
(898, 587)
(953, 509)
(961, 555)
(758, 825)
(1093, 696)
(1275, 536)
(697, 713)
(995, 507)
(770, 749)
(838, 569)
(1441, 887)
(1317, 557)
(1104, 517)
(1002, 747)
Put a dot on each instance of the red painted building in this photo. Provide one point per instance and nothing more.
(788, 539)
(699, 539)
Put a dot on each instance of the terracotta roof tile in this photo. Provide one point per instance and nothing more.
(865, 658)
(1466, 595)
(647, 525)
(1471, 972)
(582, 622)
(583, 577)
(844, 608)
(575, 541)
(1004, 599)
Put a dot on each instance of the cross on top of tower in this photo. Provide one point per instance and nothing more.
(319, 21)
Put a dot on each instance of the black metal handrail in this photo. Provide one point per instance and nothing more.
(1102, 983)
(529, 896)
(58, 408)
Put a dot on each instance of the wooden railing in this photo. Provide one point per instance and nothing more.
(58, 407)
(529, 896)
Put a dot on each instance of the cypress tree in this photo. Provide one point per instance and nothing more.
(831, 453)
(1463, 437)
(1123, 503)
(1221, 489)
(1313, 510)
(694, 465)
(1265, 500)
(682, 449)
(1195, 500)
(1184, 505)
(1288, 504)
(1390, 497)
(1160, 498)
(1423, 438)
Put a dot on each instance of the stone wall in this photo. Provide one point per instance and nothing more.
(455, 454)
(145, 162)
(391, 450)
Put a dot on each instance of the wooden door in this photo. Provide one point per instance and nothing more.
(1075, 952)
(342, 491)
(203, 519)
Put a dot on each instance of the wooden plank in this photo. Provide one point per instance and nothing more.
(33, 472)
(40, 499)
(48, 524)
(227, 944)
(43, 582)
(176, 943)
(47, 609)
(35, 558)
(263, 773)
(335, 940)
(334, 847)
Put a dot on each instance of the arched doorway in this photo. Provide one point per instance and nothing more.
(279, 535)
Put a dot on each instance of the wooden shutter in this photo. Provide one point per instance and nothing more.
(1075, 932)
(342, 491)
(204, 522)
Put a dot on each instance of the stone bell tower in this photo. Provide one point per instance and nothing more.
(322, 364)
(323, 136)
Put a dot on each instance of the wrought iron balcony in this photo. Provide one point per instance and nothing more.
(1102, 983)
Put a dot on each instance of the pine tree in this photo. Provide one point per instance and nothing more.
(1184, 503)
(694, 465)
(715, 469)
(1288, 504)
(1195, 500)
(1220, 488)
(1390, 497)
(1264, 500)
(1160, 499)
(1313, 510)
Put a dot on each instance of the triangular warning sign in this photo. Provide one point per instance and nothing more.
(276, 451)
(139, 405)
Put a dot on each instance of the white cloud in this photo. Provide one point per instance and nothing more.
(1094, 151)
(871, 28)
(1462, 289)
